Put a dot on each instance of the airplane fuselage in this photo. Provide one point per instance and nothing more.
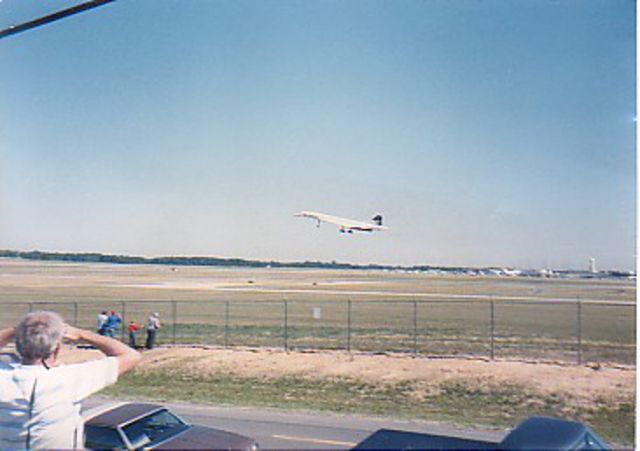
(345, 225)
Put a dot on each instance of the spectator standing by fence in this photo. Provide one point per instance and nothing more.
(133, 330)
(113, 324)
(153, 324)
(102, 322)
(39, 398)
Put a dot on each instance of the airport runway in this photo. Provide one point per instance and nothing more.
(277, 429)
(444, 297)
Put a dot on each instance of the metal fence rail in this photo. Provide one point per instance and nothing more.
(579, 332)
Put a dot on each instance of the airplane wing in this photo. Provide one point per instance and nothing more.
(345, 225)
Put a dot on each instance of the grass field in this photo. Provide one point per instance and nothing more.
(52, 281)
(461, 403)
(532, 319)
(465, 392)
(362, 310)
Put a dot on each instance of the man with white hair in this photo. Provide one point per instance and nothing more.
(153, 324)
(39, 398)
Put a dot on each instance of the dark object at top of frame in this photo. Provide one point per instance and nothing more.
(14, 29)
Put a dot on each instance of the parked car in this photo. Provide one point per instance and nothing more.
(153, 426)
(535, 433)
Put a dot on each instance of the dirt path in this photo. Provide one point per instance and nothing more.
(583, 384)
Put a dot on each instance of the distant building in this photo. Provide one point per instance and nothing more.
(592, 265)
(547, 272)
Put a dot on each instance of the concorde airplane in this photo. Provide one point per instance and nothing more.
(345, 225)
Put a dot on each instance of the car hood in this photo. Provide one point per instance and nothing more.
(201, 437)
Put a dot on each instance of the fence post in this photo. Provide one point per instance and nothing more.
(493, 327)
(124, 319)
(30, 307)
(174, 314)
(226, 324)
(579, 329)
(415, 327)
(286, 325)
(349, 325)
(75, 314)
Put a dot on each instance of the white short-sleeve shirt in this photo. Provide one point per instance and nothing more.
(55, 413)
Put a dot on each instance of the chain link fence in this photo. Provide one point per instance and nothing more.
(556, 330)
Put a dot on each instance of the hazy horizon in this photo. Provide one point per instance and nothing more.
(268, 260)
(486, 133)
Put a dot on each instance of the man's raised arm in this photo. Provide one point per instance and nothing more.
(127, 357)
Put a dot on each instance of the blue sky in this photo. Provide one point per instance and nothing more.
(486, 133)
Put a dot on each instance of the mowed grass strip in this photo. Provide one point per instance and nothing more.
(437, 340)
(457, 402)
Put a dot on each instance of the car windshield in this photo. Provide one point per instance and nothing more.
(102, 438)
(153, 428)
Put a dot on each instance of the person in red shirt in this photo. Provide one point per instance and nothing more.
(133, 330)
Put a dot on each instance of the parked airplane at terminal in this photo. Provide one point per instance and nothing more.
(346, 225)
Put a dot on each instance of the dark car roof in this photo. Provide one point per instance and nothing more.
(403, 440)
(200, 437)
(548, 433)
(123, 414)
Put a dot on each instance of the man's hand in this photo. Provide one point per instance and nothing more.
(72, 333)
(6, 335)
(127, 357)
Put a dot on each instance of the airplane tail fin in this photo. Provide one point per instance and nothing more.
(377, 219)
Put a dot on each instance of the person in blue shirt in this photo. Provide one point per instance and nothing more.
(113, 324)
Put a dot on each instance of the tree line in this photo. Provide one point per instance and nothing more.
(95, 257)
